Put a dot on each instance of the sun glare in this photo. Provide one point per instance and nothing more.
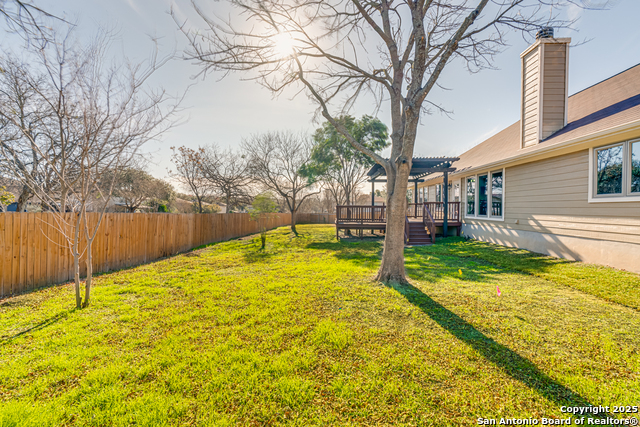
(283, 44)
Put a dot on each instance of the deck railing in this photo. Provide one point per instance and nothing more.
(361, 214)
(414, 210)
(364, 214)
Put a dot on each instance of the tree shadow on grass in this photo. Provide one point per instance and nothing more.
(420, 264)
(47, 322)
(510, 362)
(359, 252)
(507, 257)
(433, 266)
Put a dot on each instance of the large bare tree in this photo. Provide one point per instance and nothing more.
(392, 51)
(85, 119)
(275, 161)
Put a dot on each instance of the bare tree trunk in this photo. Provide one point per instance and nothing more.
(25, 195)
(89, 261)
(87, 289)
(76, 261)
(392, 265)
(293, 219)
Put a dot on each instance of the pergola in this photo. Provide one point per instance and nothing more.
(420, 168)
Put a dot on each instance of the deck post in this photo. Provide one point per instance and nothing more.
(373, 192)
(415, 198)
(445, 190)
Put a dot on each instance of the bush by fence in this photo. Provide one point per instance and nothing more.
(33, 251)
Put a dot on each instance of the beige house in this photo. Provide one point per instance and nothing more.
(565, 179)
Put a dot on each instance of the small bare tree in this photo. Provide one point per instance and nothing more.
(90, 119)
(393, 50)
(275, 161)
(264, 205)
(19, 95)
(227, 173)
(136, 187)
(189, 173)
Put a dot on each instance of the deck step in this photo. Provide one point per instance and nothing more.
(418, 235)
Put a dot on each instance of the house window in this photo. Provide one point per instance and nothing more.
(485, 195)
(456, 192)
(496, 193)
(483, 184)
(471, 196)
(635, 167)
(609, 164)
(438, 192)
(615, 172)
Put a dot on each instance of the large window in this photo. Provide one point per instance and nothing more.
(483, 184)
(635, 167)
(609, 179)
(496, 193)
(485, 195)
(438, 192)
(471, 196)
(615, 172)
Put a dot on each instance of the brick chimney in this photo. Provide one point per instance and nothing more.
(544, 87)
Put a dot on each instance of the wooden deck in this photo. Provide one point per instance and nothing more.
(365, 217)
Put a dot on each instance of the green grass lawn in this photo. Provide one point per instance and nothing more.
(299, 334)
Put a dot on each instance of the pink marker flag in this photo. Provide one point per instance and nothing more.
(498, 289)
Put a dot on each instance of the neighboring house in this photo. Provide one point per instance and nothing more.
(378, 201)
(187, 206)
(13, 207)
(565, 179)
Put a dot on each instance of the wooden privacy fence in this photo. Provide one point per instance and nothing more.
(33, 251)
(315, 218)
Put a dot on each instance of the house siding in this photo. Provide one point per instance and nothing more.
(554, 90)
(547, 211)
(530, 98)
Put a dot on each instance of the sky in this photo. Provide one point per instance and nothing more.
(226, 110)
